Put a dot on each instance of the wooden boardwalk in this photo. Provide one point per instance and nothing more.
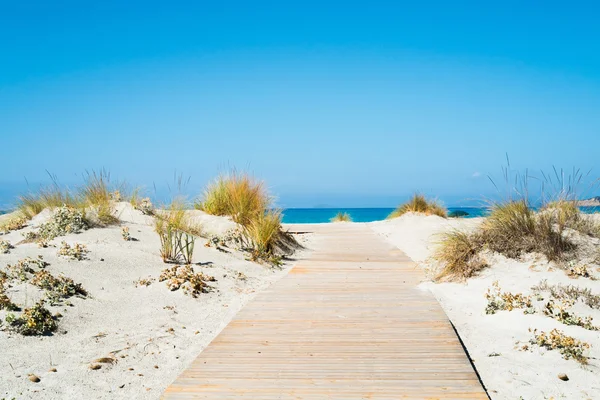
(348, 322)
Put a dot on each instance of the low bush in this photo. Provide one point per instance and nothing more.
(13, 224)
(36, 320)
(420, 204)
(64, 220)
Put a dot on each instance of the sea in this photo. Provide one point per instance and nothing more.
(322, 215)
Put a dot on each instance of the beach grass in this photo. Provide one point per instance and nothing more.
(237, 195)
(342, 217)
(459, 254)
(420, 204)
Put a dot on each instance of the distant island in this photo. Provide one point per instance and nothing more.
(591, 202)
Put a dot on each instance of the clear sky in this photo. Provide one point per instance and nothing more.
(332, 103)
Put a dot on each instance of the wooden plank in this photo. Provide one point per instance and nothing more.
(348, 322)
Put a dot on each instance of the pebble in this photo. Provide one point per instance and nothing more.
(52, 370)
(95, 366)
(34, 378)
(563, 377)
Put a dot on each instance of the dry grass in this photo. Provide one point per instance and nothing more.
(342, 217)
(237, 195)
(514, 228)
(97, 196)
(420, 204)
(459, 253)
(53, 196)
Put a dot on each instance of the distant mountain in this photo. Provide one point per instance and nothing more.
(593, 201)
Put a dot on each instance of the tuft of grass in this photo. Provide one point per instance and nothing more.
(513, 228)
(176, 232)
(420, 204)
(53, 196)
(342, 217)
(459, 253)
(97, 196)
(238, 195)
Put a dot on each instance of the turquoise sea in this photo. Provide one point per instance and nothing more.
(320, 215)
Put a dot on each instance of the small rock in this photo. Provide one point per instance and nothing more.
(52, 370)
(95, 367)
(131, 369)
(122, 386)
(156, 366)
(563, 377)
(102, 259)
(34, 378)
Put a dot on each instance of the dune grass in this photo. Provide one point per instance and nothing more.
(237, 195)
(420, 204)
(94, 197)
(515, 228)
(341, 217)
(459, 254)
(247, 201)
(176, 232)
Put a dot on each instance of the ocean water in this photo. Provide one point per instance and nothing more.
(321, 215)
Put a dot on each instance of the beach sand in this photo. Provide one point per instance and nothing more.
(493, 341)
(151, 333)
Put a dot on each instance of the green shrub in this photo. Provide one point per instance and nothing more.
(64, 220)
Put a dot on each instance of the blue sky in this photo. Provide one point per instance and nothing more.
(332, 103)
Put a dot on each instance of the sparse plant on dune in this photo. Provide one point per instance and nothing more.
(342, 217)
(5, 246)
(193, 283)
(498, 300)
(177, 234)
(24, 267)
(569, 292)
(5, 302)
(142, 204)
(57, 287)
(125, 233)
(13, 224)
(420, 204)
(76, 252)
(237, 195)
(568, 346)
(265, 240)
(64, 220)
(34, 321)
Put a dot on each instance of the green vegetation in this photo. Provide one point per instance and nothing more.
(419, 204)
(177, 234)
(342, 217)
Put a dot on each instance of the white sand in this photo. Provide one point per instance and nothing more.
(153, 333)
(514, 374)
